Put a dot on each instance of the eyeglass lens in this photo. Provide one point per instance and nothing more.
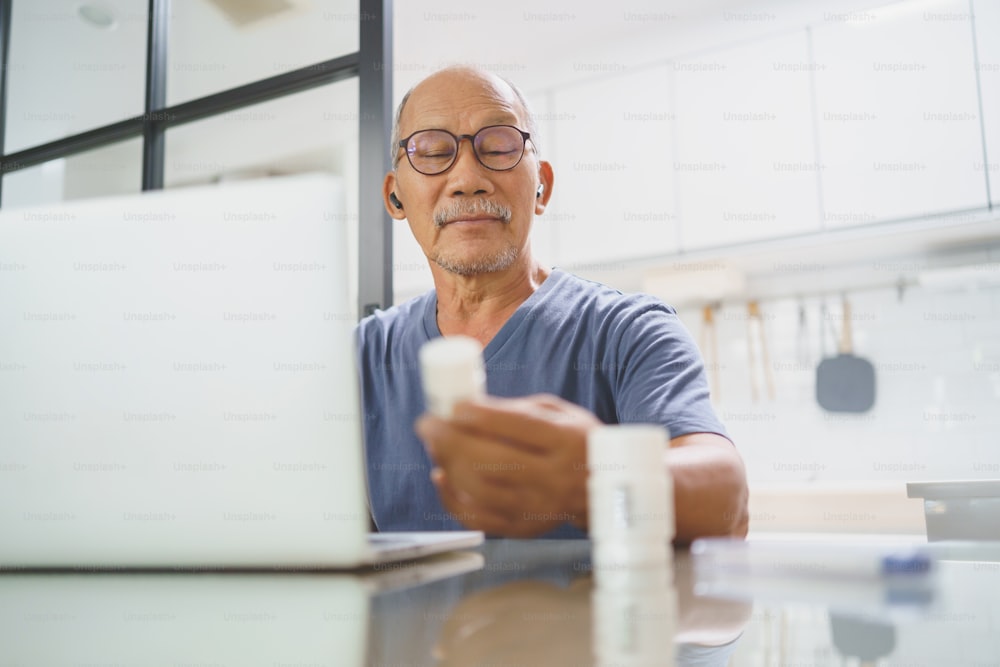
(433, 151)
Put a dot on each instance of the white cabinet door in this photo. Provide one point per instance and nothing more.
(611, 153)
(898, 113)
(746, 167)
(987, 18)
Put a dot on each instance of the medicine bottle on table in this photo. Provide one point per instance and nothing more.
(630, 495)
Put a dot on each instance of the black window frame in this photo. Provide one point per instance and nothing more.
(371, 64)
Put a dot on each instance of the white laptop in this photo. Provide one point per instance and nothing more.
(178, 384)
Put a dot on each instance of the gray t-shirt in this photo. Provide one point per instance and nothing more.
(626, 358)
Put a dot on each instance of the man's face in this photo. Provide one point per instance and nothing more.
(445, 211)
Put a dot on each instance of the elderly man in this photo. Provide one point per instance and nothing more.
(562, 354)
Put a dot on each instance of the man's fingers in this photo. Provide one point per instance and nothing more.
(497, 483)
(533, 422)
(469, 513)
(496, 513)
(511, 467)
(440, 480)
(451, 445)
(459, 507)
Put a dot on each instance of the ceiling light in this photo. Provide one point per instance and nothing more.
(97, 15)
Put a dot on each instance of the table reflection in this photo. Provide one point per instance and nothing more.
(208, 619)
(183, 619)
(516, 603)
(949, 618)
(574, 616)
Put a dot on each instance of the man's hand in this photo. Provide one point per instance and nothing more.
(524, 622)
(514, 467)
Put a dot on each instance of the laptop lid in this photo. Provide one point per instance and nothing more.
(177, 381)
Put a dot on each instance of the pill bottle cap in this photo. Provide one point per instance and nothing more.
(630, 449)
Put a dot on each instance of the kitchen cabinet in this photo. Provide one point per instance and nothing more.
(987, 20)
(610, 145)
(898, 117)
(746, 165)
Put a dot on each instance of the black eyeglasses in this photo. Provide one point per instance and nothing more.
(497, 147)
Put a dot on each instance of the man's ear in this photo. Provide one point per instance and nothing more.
(391, 199)
(545, 181)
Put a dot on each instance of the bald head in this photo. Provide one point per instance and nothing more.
(469, 77)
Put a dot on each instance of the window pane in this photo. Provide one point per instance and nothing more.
(316, 130)
(73, 66)
(219, 44)
(111, 170)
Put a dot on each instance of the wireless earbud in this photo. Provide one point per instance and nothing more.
(395, 200)
(540, 190)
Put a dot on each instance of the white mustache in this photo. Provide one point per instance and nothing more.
(463, 210)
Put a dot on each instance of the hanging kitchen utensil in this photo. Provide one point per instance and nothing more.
(755, 321)
(710, 350)
(845, 383)
(802, 357)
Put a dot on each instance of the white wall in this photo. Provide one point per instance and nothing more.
(936, 351)
(789, 111)
(655, 80)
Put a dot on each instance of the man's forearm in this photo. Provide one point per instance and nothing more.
(710, 487)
